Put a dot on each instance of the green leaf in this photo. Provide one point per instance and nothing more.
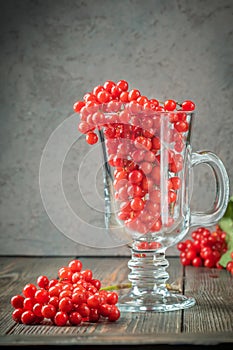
(226, 224)
(227, 256)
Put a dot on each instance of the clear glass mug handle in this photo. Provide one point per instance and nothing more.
(222, 189)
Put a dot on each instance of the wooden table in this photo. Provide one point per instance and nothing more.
(209, 322)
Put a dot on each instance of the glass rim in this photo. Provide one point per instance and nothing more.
(125, 105)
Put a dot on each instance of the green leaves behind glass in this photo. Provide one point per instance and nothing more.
(226, 224)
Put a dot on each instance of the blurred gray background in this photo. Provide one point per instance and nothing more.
(53, 51)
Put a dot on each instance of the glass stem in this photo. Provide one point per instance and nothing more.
(148, 270)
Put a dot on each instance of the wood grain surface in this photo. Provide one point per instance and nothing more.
(209, 322)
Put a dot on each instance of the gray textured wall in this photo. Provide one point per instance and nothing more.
(52, 52)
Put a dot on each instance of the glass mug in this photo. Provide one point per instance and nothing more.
(147, 174)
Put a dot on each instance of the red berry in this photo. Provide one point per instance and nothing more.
(103, 96)
(171, 196)
(133, 94)
(93, 301)
(79, 298)
(181, 126)
(60, 318)
(87, 275)
(78, 106)
(91, 138)
(176, 182)
(54, 301)
(65, 304)
(75, 265)
(84, 310)
(115, 92)
(94, 315)
(188, 106)
(42, 296)
(16, 315)
(105, 309)
(112, 298)
(54, 290)
(48, 311)
(108, 85)
(181, 246)
(135, 176)
(89, 97)
(37, 309)
(114, 314)
(146, 167)
(197, 261)
(42, 281)
(28, 303)
(92, 106)
(97, 89)
(191, 254)
(123, 85)
(142, 142)
(28, 317)
(96, 283)
(156, 226)
(170, 105)
(142, 100)
(220, 267)
(229, 265)
(29, 290)
(84, 127)
(65, 273)
(154, 102)
(185, 261)
(17, 301)
(151, 105)
(124, 96)
(75, 318)
(209, 262)
(134, 191)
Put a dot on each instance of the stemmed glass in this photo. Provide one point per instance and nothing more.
(147, 174)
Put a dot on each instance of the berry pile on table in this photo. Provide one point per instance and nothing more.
(73, 298)
(205, 249)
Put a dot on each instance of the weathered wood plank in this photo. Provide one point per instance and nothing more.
(222, 340)
(212, 289)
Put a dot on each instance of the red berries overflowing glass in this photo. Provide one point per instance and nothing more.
(113, 95)
(130, 124)
(73, 298)
(204, 249)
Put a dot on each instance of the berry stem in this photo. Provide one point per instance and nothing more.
(171, 287)
(117, 286)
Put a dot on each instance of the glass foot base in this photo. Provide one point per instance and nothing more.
(157, 302)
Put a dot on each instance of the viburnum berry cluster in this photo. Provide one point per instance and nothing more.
(72, 298)
(204, 249)
(130, 124)
(229, 266)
